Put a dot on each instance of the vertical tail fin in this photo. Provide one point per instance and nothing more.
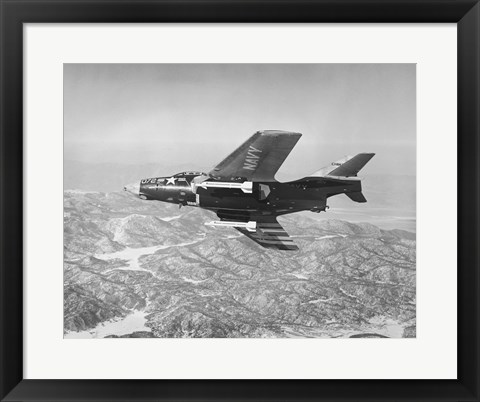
(345, 167)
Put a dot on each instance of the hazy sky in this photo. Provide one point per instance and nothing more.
(196, 114)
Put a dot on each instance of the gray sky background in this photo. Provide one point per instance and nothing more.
(196, 114)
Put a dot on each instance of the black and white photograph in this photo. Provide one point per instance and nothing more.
(239, 201)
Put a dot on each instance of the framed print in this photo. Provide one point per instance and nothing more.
(239, 200)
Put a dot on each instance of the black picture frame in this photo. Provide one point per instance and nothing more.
(14, 13)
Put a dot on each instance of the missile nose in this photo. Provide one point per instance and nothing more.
(133, 188)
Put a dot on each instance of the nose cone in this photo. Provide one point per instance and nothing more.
(133, 188)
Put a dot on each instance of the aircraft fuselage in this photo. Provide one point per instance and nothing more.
(264, 198)
(244, 194)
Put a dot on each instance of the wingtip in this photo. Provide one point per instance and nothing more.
(279, 132)
(369, 155)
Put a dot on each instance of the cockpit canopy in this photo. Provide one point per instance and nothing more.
(189, 173)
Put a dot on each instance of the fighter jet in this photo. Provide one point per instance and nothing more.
(244, 194)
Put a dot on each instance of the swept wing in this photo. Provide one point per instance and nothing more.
(268, 232)
(258, 158)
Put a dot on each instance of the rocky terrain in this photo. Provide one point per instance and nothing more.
(136, 268)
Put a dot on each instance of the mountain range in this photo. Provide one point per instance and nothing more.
(136, 268)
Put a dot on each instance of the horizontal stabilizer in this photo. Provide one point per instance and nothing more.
(356, 196)
(345, 167)
(352, 166)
